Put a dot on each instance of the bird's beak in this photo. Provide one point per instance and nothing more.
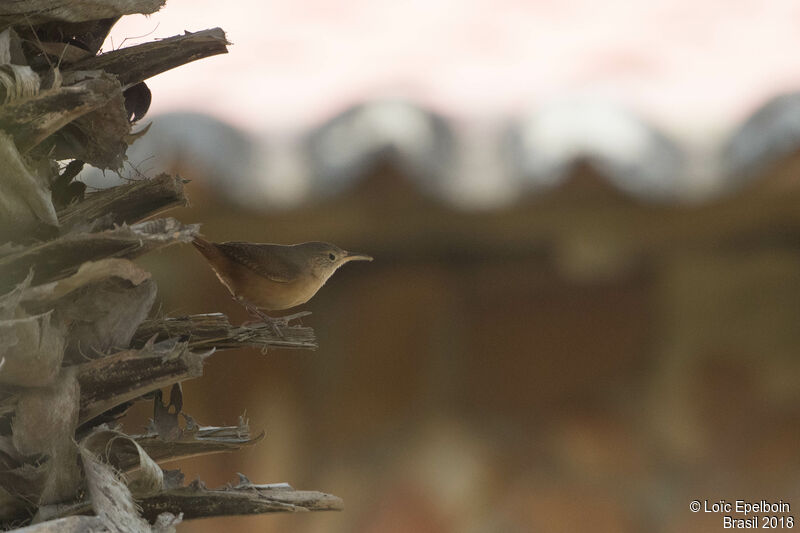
(354, 256)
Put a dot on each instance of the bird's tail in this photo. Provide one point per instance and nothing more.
(215, 259)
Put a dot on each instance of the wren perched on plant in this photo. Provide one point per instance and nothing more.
(274, 277)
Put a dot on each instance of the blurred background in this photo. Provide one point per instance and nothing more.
(584, 309)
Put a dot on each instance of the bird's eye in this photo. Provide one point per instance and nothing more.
(332, 257)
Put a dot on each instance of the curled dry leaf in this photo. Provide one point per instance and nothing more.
(18, 82)
(110, 497)
(111, 493)
(143, 475)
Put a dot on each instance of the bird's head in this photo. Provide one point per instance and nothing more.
(326, 258)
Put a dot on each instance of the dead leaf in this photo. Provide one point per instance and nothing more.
(117, 449)
(18, 82)
(33, 349)
(24, 196)
(46, 414)
(44, 423)
(105, 315)
(110, 497)
(102, 132)
(88, 272)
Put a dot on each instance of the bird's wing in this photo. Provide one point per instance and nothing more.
(260, 259)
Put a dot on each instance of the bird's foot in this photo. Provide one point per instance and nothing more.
(282, 321)
(273, 322)
(262, 318)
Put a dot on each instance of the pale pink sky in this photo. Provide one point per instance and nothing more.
(689, 65)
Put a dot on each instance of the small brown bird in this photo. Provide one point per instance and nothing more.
(274, 277)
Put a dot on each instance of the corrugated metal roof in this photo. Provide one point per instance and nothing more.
(634, 156)
(771, 133)
(524, 156)
(349, 146)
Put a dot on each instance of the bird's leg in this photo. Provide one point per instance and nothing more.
(272, 322)
(282, 320)
(268, 320)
